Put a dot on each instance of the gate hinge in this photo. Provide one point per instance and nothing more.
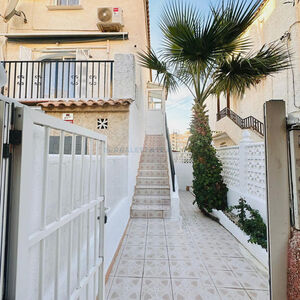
(6, 151)
(15, 137)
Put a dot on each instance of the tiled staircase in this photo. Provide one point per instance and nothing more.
(152, 192)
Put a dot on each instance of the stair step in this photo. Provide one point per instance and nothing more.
(153, 160)
(152, 181)
(148, 211)
(153, 173)
(152, 192)
(140, 186)
(153, 166)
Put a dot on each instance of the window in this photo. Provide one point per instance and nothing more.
(67, 2)
(102, 123)
(59, 79)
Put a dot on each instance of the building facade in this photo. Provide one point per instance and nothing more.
(278, 21)
(179, 141)
(59, 57)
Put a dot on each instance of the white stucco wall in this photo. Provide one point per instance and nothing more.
(184, 173)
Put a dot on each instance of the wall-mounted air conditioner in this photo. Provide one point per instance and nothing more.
(110, 19)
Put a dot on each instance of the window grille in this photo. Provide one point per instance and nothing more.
(102, 123)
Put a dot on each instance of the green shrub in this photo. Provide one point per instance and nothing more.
(208, 186)
(253, 225)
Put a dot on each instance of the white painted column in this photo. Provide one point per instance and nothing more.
(124, 77)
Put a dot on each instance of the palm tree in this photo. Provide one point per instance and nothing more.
(210, 55)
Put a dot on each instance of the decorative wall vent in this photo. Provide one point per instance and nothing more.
(102, 123)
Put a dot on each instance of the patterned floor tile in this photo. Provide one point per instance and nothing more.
(189, 269)
(230, 252)
(136, 240)
(195, 260)
(193, 289)
(179, 252)
(156, 253)
(156, 230)
(125, 288)
(156, 241)
(157, 269)
(224, 279)
(134, 252)
(258, 295)
(251, 280)
(178, 241)
(215, 263)
(233, 294)
(130, 268)
(239, 264)
(156, 289)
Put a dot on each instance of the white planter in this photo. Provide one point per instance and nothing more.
(256, 250)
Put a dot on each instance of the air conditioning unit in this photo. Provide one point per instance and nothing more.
(110, 19)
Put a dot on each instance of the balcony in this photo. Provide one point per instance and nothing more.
(58, 79)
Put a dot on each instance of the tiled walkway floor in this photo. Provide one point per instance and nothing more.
(159, 260)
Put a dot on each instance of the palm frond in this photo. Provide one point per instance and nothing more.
(238, 72)
(188, 36)
(148, 59)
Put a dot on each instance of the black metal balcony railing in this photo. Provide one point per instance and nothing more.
(55, 79)
(247, 123)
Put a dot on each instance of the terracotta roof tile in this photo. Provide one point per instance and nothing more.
(85, 103)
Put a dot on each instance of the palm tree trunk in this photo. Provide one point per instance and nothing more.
(208, 185)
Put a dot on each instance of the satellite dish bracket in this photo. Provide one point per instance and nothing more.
(21, 13)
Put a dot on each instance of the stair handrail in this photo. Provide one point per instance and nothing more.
(246, 123)
(172, 166)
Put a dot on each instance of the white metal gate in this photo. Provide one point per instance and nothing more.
(5, 120)
(56, 219)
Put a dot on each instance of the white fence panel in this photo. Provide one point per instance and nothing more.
(57, 221)
(244, 174)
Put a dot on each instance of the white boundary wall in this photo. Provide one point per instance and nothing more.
(244, 173)
(184, 169)
(118, 205)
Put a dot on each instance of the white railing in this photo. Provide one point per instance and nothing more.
(244, 173)
(56, 237)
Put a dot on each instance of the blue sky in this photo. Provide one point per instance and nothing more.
(179, 105)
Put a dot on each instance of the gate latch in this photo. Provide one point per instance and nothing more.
(15, 137)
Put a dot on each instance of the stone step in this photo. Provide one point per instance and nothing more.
(154, 154)
(152, 192)
(140, 186)
(153, 173)
(148, 200)
(152, 181)
(153, 159)
(150, 211)
(153, 166)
